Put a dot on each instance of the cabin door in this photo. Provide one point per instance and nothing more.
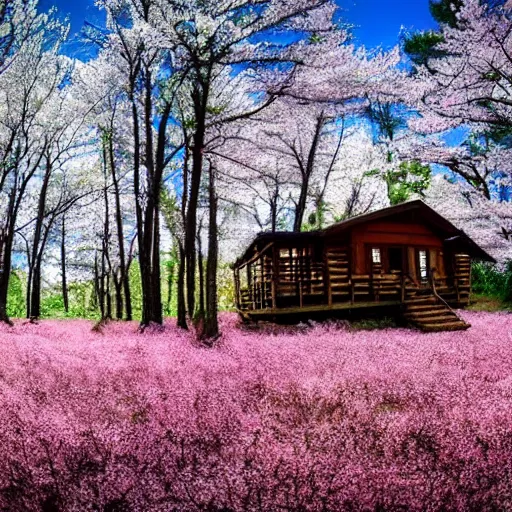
(396, 260)
(422, 270)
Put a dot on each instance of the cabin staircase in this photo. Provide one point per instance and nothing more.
(430, 314)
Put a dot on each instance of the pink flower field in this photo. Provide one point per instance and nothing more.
(314, 419)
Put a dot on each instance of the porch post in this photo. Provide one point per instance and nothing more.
(275, 277)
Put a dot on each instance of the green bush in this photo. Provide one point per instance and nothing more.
(489, 280)
(16, 307)
(83, 302)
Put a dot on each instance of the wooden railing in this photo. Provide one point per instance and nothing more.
(433, 271)
(256, 294)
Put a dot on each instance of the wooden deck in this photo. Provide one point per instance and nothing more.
(318, 308)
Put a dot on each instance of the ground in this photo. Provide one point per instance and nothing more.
(312, 418)
(489, 304)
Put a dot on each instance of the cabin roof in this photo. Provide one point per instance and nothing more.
(451, 232)
(268, 237)
(427, 212)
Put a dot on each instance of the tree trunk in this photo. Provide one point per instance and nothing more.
(124, 278)
(35, 298)
(106, 267)
(307, 170)
(200, 101)
(118, 287)
(211, 327)
(146, 243)
(98, 287)
(109, 298)
(30, 277)
(6, 253)
(170, 280)
(200, 265)
(182, 309)
(138, 203)
(156, 278)
(300, 208)
(65, 295)
(5, 272)
(148, 220)
(34, 288)
(35, 305)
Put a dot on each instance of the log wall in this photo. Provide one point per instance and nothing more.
(335, 271)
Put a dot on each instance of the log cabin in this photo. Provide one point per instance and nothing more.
(406, 257)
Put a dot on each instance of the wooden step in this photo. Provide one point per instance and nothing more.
(442, 318)
(420, 300)
(425, 308)
(430, 314)
(453, 326)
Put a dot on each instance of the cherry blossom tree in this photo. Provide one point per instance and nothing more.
(467, 83)
(140, 59)
(487, 222)
(28, 85)
(17, 18)
(207, 39)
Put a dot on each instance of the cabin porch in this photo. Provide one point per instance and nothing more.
(313, 277)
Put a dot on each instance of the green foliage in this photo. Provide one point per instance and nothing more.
(52, 306)
(136, 289)
(492, 76)
(421, 46)
(82, 298)
(500, 135)
(490, 281)
(170, 210)
(315, 39)
(215, 110)
(189, 123)
(170, 280)
(386, 118)
(16, 306)
(81, 302)
(410, 178)
(445, 11)
(226, 288)
(316, 219)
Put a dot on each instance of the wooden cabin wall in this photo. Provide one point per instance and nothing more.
(411, 261)
(392, 233)
(437, 261)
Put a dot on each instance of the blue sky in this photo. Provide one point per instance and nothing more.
(378, 22)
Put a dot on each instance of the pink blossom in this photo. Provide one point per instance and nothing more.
(320, 418)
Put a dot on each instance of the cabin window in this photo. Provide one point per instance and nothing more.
(376, 255)
(423, 264)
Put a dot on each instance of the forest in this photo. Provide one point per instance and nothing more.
(134, 172)
(131, 176)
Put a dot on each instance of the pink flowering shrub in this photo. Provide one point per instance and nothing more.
(321, 419)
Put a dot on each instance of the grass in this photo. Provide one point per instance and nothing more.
(371, 324)
(488, 304)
